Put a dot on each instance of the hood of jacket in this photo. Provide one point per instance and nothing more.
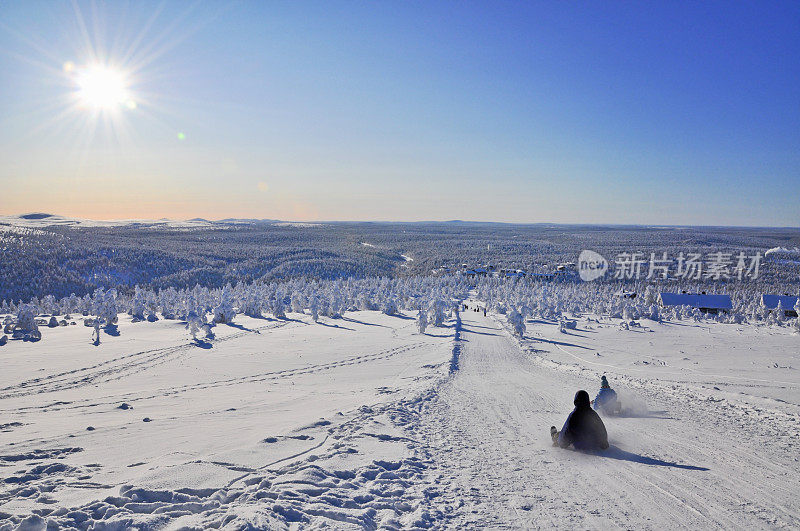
(582, 400)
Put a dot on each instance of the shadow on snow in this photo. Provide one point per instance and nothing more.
(615, 452)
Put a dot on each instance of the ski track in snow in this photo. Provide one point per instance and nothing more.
(113, 369)
(472, 449)
(489, 427)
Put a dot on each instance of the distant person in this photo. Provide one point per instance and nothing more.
(484, 312)
(583, 429)
(606, 400)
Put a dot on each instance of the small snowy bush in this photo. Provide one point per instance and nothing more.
(26, 318)
(389, 306)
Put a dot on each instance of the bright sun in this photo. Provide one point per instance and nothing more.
(102, 88)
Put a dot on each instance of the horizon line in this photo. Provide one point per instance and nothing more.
(46, 216)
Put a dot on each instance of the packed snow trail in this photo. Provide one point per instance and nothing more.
(488, 432)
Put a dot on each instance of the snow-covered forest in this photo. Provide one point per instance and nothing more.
(211, 271)
(435, 295)
(49, 255)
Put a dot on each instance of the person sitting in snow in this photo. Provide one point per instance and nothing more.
(583, 429)
(606, 400)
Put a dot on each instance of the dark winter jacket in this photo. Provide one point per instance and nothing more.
(583, 428)
(606, 399)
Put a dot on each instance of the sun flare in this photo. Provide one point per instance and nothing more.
(102, 88)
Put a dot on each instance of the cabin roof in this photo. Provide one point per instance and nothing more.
(697, 300)
(771, 301)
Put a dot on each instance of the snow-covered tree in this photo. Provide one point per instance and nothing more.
(298, 304)
(437, 313)
(251, 304)
(650, 296)
(48, 305)
(223, 311)
(107, 309)
(364, 302)
(138, 303)
(517, 322)
(26, 319)
(196, 324)
(278, 309)
(422, 321)
(96, 331)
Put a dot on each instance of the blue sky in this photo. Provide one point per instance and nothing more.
(598, 112)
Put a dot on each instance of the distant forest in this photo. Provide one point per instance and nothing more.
(62, 259)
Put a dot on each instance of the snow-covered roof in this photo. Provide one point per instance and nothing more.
(697, 300)
(771, 301)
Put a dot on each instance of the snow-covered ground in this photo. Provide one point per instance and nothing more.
(148, 408)
(710, 438)
(362, 422)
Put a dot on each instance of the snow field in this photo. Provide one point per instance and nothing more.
(128, 433)
(362, 422)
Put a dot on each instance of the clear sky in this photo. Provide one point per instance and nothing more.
(577, 112)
